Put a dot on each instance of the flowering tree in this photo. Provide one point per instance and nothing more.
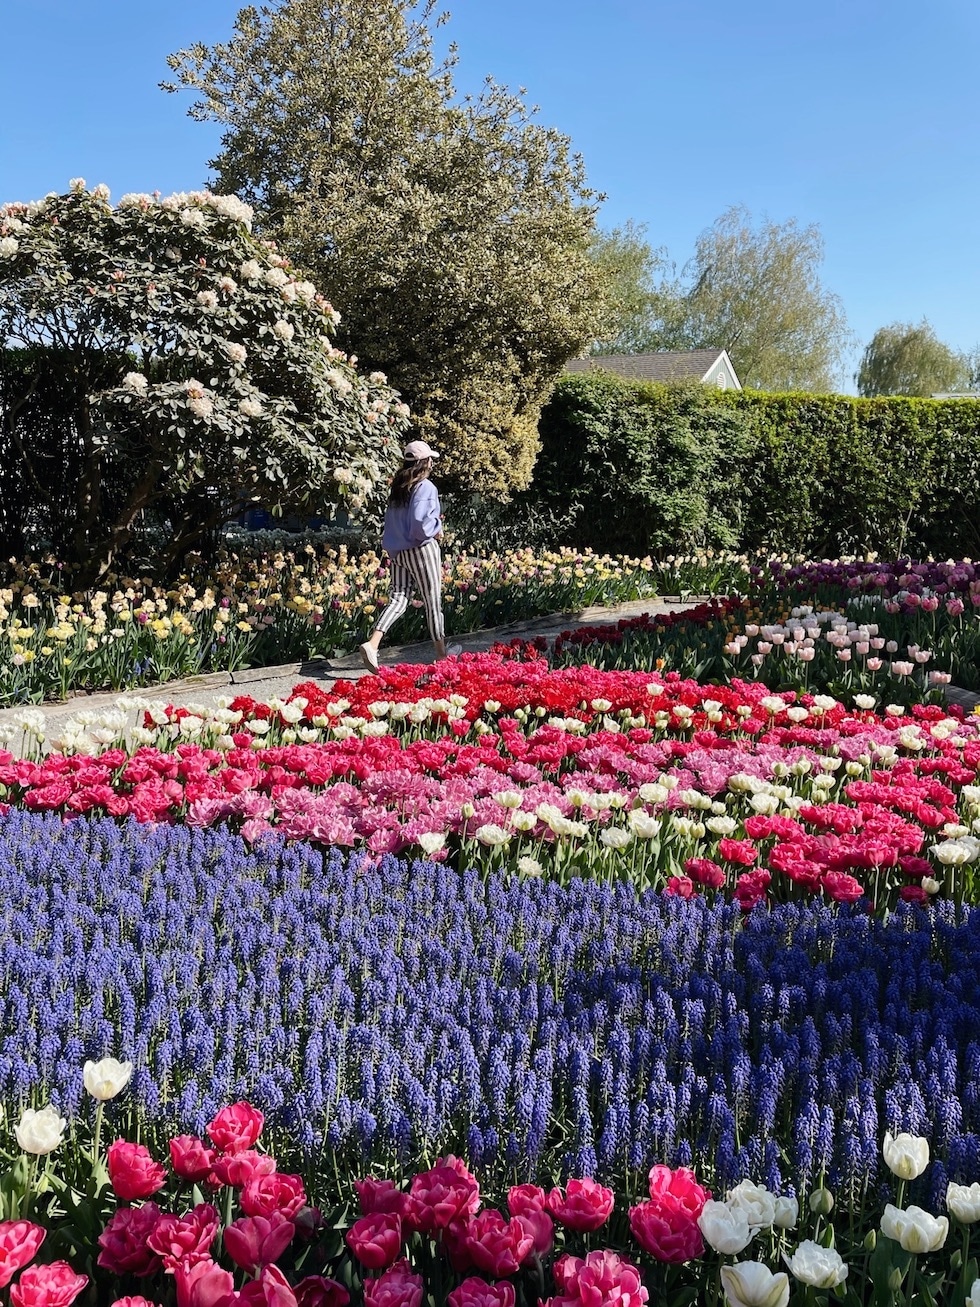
(198, 373)
(454, 230)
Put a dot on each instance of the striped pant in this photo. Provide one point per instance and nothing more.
(410, 569)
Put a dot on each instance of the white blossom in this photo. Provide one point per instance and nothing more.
(237, 353)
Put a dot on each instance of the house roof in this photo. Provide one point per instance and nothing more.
(666, 365)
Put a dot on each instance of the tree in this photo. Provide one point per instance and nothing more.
(643, 294)
(754, 291)
(453, 234)
(904, 359)
(192, 367)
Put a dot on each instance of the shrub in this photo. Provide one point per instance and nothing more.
(636, 467)
(161, 359)
(640, 467)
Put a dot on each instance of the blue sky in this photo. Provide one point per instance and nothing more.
(857, 115)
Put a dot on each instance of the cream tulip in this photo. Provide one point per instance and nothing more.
(751, 1284)
(822, 1268)
(106, 1078)
(916, 1230)
(906, 1156)
(40, 1132)
(963, 1201)
(725, 1228)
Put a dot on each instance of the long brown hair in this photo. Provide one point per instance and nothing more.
(408, 476)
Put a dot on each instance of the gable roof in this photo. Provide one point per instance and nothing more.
(665, 365)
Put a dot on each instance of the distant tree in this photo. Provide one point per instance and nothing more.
(643, 294)
(453, 234)
(972, 359)
(905, 359)
(753, 290)
(756, 292)
(157, 358)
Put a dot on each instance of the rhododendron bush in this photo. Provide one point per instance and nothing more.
(197, 372)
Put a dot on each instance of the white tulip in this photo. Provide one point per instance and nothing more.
(758, 1204)
(643, 826)
(614, 837)
(751, 1284)
(915, 1229)
(963, 1200)
(823, 1268)
(107, 1078)
(529, 866)
(974, 1298)
(431, 841)
(492, 835)
(906, 1156)
(787, 1213)
(725, 1228)
(40, 1132)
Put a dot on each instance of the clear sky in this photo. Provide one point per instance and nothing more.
(860, 116)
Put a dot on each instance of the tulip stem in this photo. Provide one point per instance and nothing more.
(97, 1136)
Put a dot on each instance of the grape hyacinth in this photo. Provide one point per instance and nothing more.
(390, 1012)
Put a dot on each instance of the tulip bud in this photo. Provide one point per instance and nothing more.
(821, 1202)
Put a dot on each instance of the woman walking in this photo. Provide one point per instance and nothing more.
(413, 530)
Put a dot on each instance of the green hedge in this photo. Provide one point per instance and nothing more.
(641, 467)
(635, 467)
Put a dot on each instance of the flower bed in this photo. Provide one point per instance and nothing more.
(438, 1238)
(379, 1015)
(268, 609)
(503, 763)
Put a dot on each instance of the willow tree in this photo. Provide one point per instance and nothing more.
(910, 359)
(452, 232)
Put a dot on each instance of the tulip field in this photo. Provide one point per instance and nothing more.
(638, 966)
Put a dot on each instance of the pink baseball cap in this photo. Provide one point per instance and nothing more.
(418, 450)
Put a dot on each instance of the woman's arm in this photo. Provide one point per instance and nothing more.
(425, 521)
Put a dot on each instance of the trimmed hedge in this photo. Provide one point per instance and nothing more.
(640, 467)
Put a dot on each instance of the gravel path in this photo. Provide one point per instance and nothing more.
(264, 683)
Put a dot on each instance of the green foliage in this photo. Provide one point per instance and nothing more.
(834, 475)
(754, 290)
(157, 358)
(644, 297)
(904, 359)
(642, 467)
(453, 234)
(639, 467)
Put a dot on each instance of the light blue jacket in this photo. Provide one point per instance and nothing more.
(409, 525)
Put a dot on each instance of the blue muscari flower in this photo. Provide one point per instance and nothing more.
(398, 1007)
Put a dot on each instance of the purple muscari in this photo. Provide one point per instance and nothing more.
(396, 1011)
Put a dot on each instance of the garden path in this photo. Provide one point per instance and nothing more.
(264, 683)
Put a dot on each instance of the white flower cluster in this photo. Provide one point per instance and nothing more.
(199, 399)
(338, 381)
(237, 353)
